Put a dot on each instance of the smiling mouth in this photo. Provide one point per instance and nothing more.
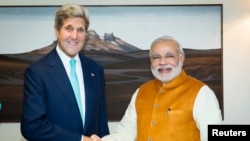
(165, 70)
(72, 43)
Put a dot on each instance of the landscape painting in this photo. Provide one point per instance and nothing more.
(125, 55)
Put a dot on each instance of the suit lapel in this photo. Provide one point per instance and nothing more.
(59, 75)
(89, 84)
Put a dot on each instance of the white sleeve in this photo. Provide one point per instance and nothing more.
(127, 127)
(206, 111)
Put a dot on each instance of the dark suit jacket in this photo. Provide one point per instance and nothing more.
(50, 111)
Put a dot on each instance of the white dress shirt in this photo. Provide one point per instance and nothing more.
(66, 62)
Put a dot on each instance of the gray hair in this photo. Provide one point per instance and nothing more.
(165, 38)
(70, 10)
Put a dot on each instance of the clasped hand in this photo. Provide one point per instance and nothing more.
(92, 138)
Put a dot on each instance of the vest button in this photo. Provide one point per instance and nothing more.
(161, 91)
(153, 122)
(156, 106)
(150, 139)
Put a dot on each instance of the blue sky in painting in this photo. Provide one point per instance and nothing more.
(197, 27)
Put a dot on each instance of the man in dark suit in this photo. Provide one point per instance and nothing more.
(52, 110)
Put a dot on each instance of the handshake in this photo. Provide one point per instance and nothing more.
(92, 138)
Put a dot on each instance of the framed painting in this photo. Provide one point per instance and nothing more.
(119, 38)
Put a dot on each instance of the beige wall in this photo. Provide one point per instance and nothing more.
(236, 56)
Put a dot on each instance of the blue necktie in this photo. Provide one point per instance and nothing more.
(75, 85)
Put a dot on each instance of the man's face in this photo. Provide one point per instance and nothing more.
(166, 61)
(71, 36)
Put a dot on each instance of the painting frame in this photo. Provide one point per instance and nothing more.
(117, 103)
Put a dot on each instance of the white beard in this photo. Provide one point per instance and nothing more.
(167, 77)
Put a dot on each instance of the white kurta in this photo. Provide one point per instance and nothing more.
(206, 111)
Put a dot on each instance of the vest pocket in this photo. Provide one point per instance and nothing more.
(173, 113)
(179, 116)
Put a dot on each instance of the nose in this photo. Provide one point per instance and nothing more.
(163, 61)
(73, 34)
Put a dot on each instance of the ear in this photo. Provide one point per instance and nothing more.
(182, 58)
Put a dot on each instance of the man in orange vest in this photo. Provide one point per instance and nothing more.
(172, 107)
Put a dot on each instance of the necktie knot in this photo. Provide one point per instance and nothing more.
(73, 76)
(72, 64)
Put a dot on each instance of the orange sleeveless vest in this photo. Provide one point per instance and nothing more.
(165, 111)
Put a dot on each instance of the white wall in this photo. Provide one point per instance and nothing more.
(236, 59)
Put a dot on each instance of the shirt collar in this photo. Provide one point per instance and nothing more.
(64, 57)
